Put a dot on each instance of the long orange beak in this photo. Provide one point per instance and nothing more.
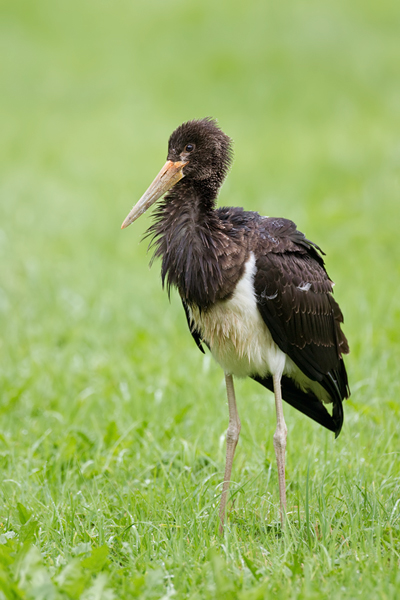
(169, 175)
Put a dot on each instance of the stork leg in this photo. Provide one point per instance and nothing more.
(232, 436)
(280, 444)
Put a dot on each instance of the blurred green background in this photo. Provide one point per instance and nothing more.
(91, 353)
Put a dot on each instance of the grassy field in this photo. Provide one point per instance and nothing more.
(111, 422)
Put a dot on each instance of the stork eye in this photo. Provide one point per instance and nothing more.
(189, 147)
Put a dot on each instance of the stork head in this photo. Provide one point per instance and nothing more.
(197, 150)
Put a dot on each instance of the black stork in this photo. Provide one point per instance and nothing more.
(254, 289)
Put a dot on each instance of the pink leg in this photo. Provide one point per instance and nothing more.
(232, 436)
(280, 444)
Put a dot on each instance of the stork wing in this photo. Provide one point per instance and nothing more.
(294, 296)
(192, 328)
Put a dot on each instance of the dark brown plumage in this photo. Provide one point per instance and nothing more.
(251, 287)
(304, 322)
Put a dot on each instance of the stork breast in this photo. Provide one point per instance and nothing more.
(237, 336)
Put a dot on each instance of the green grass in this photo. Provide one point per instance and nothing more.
(112, 423)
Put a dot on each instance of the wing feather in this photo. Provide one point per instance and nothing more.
(192, 328)
(294, 296)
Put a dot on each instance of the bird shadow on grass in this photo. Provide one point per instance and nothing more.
(255, 529)
(249, 523)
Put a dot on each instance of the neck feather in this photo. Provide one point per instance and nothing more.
(187, 234)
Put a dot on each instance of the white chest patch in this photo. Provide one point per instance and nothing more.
(238, 338)
(241, 342)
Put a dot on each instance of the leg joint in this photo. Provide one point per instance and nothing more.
(233, 431)
(280, 438)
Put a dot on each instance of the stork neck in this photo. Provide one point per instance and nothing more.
(186, 234)
(201, 195)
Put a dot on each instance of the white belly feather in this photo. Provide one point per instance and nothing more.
(241, 342)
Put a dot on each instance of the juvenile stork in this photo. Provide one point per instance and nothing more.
(254, 289)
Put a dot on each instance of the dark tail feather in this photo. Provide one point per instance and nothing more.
(307, 403)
